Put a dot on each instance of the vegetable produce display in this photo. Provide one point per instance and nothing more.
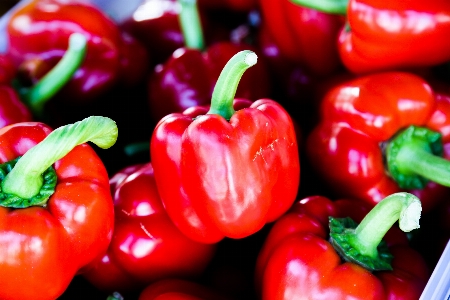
(223, 149)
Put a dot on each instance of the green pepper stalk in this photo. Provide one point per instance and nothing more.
(190, 24)
(362, 244)
(115, 296)
(36, 96)
(25, 185)
(227, 84)
(414, 156)
(338, 7)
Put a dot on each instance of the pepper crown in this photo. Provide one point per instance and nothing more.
(362, 244)
(29, 181)
(414, 156)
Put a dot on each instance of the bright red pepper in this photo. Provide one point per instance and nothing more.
(188, 77)
(388, 35)
(227, 171)
(44, 37)
(146, 246)
(56, 213)
(297, 260)
(353, 147)
(303, 35)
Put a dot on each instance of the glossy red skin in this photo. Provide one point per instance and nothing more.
(46, 34)
(188, 78)
(304, 36)
(395, 35)
(176, 289)
(359, 114)
(250, 164)
(297, 259)
(146, 246)
(43, 248)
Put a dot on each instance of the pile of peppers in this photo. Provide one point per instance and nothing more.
(223, 149)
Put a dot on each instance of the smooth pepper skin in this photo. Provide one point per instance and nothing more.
(40, 29)
(222, 178)
(297, 260)
(43, 248)
(303, 35)
(188, 78)
(356, 116)
(387, 35)
(146, 246)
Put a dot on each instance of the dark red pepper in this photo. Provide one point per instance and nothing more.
(188, 77)
(146, 246)
(363, 122)
(44, 37)
(303, 35)
(297, 260)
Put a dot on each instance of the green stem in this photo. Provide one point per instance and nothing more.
(190, 24)
(363, 244)
(402, 207)
(414, 157)
(36, 96)
(338, 7)
(228, 81)
(25, 179)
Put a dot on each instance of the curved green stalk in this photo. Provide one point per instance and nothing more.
(25, 179)
(36, 96)
(226, 86)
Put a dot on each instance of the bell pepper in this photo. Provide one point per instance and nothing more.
(146, 246)
(7, 69)
(301, 257)
(44, 37)
(231, 170)
(56, 211)
(304, 35)
(394, 35)
(381, 134)
(188, 77)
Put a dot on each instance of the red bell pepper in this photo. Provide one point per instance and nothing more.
(146, 246)
(380, 134)
(56, 213)
(231, 170)
(7, 69)
(304, 35)
(188, 77)
(383, 35)
(297, 260)
(44, 34)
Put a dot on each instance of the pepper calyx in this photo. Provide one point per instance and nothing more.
(408, 148)
(342, 231)
(40, 199)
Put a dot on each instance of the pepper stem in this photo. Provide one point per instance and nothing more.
(362, 244)
(115, 296)
(414, 157)
(25, 179)
(338, 7)
(190, 24)
(226, 86)
(36, 96)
